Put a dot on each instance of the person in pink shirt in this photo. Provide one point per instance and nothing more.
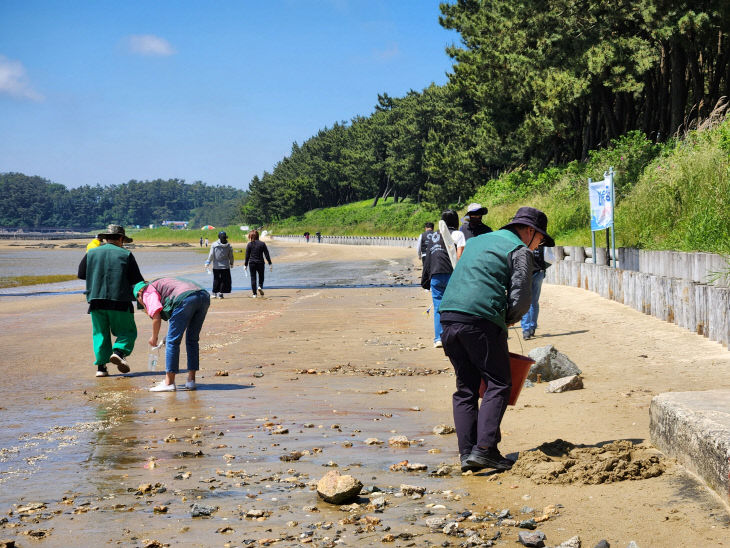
(184, 304)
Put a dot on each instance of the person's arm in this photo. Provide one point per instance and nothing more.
(210, 256)
(156, 322)
(230, 255)
(266, 254)
(459, 242)
(519, 294)
(418, 246)
(133, 274)
(82, 269)
(248, 255)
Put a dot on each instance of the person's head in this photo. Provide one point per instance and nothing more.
(428, 226)
(223, 237)
(451, 218)
(530, 225)
(474, 213)
(253, 235)
(137, 291)
(115, 235)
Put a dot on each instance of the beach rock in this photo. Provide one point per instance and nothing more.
(7, 543)
(603, 543)
(199, 510)
(535, 539)
(551, 364)
(338, 489)
(574, 382)
(412, 489)
(399, 441)
(373, 441)
(572, 542)
(436, 523)
(527, 524)
(443, 429)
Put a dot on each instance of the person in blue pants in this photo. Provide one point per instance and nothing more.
(529, 320)
(184, 304)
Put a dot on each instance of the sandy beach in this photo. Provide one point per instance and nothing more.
(292, 386)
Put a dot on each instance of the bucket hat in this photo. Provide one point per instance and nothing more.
(476, 209)
(114, 231)
(534, 218)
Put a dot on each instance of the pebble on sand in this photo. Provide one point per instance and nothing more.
(338, 489)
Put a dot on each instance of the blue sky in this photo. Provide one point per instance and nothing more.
(104, 92)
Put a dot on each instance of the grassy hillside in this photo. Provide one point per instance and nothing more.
(670, 196)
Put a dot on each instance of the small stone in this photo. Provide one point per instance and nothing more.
(199, 510)
(412, 489)
(161, 509)
(399, 441)
(527, 524)
(632, 544)
(280, 430)
(388, 538)
(572, 542)
(436, 523)
(258, 374)
(450, 528)
(603, 543)
(565, 384)
(373, 441)
(443, 429)
(534, 539)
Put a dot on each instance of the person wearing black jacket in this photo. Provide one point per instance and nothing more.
(256, 250)
(529, 320)
(474, 225)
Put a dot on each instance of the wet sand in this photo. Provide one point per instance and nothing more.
(332, 368)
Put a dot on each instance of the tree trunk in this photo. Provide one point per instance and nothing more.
(678, 88)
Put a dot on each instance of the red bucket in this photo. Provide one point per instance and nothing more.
(520, 367)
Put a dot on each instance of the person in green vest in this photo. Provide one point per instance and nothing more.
(489, 290)
(184, 304)
(110, 272)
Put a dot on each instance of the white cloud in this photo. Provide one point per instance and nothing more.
(13, 80)
(148, 44)
(388, 53)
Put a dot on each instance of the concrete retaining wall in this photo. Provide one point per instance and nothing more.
(352, 240)
(683, 301)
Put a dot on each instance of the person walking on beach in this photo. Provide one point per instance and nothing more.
(422, 249)
(206, 242)
(221, 255)
(110, 272)
(256, 251)
(201, 241)
(306, 236)
(529, 320)
(184, 304)
(473, 225)
(489, 290)
(319, 236)
(439, 266)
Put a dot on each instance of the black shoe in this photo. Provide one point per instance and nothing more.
(117, 358)
(467, 467)
(488, 458)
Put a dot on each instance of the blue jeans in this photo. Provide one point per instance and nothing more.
(529, 320)
(438, 286)
(187, 316)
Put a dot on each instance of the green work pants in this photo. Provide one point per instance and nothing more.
(104, 324)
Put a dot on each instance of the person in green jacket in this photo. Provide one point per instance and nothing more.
(489, 289)
(110, 272)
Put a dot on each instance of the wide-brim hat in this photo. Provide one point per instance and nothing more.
(534, 218)
(114, 231)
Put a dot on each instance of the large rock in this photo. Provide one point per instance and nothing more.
(338, 489)
(551, 364)
(574, 382)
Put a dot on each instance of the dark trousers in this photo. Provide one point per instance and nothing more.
(256, 269)
(221, 280)
(478, 352)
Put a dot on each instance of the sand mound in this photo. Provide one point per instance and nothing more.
(563, 462)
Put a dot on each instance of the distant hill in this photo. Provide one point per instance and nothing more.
(33, 202)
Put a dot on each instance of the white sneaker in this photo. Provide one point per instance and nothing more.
(190, 385)
(253, 296)
(261, 292)
(438, 344)
(163, 387)
(220, 295)
(120, 362)
(214, 295)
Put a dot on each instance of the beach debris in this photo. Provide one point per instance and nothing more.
(565, 384)
(409, 490)
(443, 429)
(293, 456)
(405, 466)
(338, 489)
(221, 373)
(373, 441)
(550, 364)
